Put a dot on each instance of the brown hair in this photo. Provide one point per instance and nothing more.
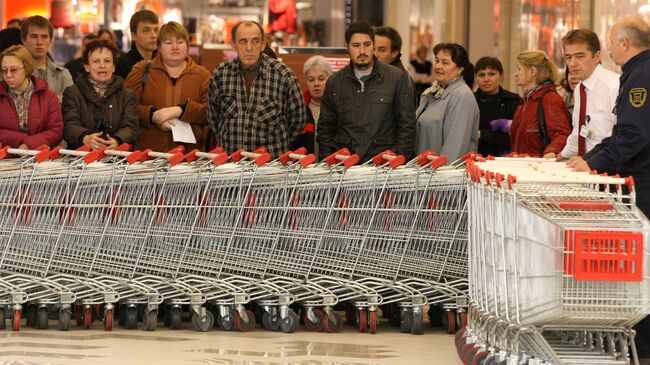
(583, 36)
(173, 29)
(142, 16)
(546, 69)
(20, 52)
(99, 44)
(35, 21)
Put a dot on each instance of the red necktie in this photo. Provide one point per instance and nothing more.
(581, 122)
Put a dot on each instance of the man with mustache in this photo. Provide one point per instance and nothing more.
(36, 33)
(254, 100)
(368, 106)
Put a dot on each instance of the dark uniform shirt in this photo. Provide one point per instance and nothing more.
(627, 151)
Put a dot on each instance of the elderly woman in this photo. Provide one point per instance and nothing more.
(97, 110)
(541, 123)
(168, 88)
(31, 115)
(496, 105)
(448, 115)
(317, 70)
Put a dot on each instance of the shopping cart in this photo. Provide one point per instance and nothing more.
(556, 265)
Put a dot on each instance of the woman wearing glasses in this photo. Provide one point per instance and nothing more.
(31, 115)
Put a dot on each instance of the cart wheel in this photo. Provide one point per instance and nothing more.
(131, 320)
(3, 323)
(175, 315)
(121, 315)
(241, 324)
(227, 322)
(460, 333)
(334, 323)
(202, 323)
(373, 322)
(266, 321)
(41, 318)
(465, 350)
(462, 318)
(362, 320)
(87, 317)
(417, 326)
(108, 320)
(451, 322)
(78, 315)
(64, 320)
(406, 322)
(479, 358)
(214, 310)
(437, 316)
(394, 315)
(289, 323)
(16, 320)
(270, 321)
(318, 323)
(350, 314)
(167, 316)
(150, 321)
(469, 355)
(460, 343)
(32, 316)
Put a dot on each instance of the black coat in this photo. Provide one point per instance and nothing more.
(367, 119)
(85, 112)
(502, 107)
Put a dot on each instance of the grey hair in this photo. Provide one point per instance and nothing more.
(638, 35)
(317, 61)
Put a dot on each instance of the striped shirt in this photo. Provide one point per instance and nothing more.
(21, 100)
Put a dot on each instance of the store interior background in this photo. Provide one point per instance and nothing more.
(501, 28)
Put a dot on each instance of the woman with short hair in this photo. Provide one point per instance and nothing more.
(169, 87)
(448, 116)
(31, 115)
(316, 70)
(97, 110)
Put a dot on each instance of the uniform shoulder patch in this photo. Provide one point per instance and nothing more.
(638, 96)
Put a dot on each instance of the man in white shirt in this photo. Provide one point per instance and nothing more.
(595, 96)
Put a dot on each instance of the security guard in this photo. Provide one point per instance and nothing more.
(627, 151)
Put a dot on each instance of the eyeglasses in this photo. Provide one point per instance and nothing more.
(12, 71)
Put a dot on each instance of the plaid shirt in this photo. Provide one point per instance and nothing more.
(272, 116)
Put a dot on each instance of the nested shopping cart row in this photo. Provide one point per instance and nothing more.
(144, 227)
(556, 264)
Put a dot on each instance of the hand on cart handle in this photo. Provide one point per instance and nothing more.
(389, 157)
(299, 155)
(218, 157)
(342, 156)
(259, 156)
(40, 154)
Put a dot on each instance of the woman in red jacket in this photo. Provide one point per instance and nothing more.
(31, 114)
(536, 74)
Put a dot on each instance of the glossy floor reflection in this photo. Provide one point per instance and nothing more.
(164, 346)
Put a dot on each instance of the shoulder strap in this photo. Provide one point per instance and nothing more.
(541, 121)
(145, 74)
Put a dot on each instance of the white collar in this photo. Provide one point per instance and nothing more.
(590, 81)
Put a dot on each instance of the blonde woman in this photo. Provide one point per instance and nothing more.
(541, 123)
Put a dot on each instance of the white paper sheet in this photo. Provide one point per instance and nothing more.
(182, 132)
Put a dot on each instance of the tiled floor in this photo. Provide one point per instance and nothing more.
(164, 346)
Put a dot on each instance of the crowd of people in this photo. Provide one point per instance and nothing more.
(590, 117)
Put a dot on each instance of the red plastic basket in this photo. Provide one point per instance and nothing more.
(604, 256)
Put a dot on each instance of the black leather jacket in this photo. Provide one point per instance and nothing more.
(370, 118)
